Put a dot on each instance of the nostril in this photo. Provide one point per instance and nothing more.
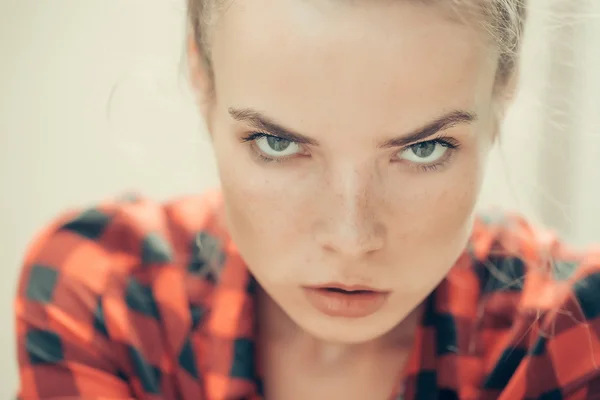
(351, 239)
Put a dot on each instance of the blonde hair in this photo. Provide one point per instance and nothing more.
(502, 20)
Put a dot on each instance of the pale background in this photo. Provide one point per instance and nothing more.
(65, 140)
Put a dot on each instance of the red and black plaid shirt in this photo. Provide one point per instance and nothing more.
(137, 300)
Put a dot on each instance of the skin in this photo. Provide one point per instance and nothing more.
(350, 77)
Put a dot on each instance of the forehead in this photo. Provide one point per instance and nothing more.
(355, 63)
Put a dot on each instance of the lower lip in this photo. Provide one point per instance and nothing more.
(346, 305)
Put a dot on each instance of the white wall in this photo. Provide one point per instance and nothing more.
(60, 61)
(587, 203)
(60, 146)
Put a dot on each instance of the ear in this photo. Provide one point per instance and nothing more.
(507, 91)
(200, 76)
(511, 87)
(504, 97)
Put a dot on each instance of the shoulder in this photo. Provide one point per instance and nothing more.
(105, 295)
(136, 230)
(553, 292)
(119, 247)
(111, 290)
(517, 248)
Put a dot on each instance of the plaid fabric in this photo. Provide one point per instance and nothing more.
(138, 300)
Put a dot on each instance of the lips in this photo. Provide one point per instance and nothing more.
(337, 300)
(339, 290)
(337, 287)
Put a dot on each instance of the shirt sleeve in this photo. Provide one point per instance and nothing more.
(64, 350)
(563, 359)
(552, 347)
(569, 340)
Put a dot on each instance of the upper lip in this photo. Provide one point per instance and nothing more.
(346, 288)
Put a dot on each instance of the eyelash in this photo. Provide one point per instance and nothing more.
(252, 137)
(446, 141)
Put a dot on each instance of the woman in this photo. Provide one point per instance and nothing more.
(342, 258)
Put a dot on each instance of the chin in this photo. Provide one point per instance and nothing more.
(347, 331)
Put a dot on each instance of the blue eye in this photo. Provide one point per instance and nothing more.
(425, 153)
(275, 147)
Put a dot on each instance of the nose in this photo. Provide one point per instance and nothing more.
(350, 222)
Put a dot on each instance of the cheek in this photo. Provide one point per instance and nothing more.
(260, 197)
(267, 226)
(266, 207)
(260, 206)
(437, 210)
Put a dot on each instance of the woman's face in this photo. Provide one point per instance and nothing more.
(351, 140)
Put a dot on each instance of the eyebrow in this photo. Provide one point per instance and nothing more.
(446, 121)
(261, 122)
